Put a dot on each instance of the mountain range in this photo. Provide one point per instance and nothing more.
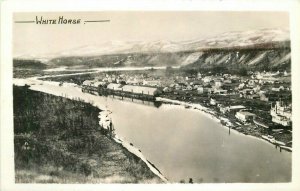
(256, 48)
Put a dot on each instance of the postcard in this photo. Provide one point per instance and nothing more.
(149, 95)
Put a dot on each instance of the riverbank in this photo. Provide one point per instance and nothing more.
(106, 122)
(164, 126)
(227, 123)
(70, 147)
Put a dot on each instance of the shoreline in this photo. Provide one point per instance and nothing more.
(128, 146)
(104, 122)
(211, 114)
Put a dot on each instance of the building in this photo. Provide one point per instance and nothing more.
(133, 81)
(134, 89)
(155, 83)
(207, 90)
(233, 108)
(278, 89)
(189, 88)
(244, 116)
(213, 101)
(281, 114)
(251, 83)
(87, 83)
(227, 81)
(268, 96)
(252, 96)
(220, 91)
(114, 86)
(218, 83)
(207, 79)
(167, 89)
(200, 90)
(199, 75)
(94, 84)
(241, 86)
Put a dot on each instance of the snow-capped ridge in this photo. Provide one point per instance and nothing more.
(223, 40)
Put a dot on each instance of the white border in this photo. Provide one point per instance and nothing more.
(9, 7)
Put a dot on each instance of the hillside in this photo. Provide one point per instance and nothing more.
(28, 64)
(256, 59)
(57, 140)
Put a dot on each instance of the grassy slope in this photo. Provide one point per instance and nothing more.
(66, 144)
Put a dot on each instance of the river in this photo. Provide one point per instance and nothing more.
(185, 143)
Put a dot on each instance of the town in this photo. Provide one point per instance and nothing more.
(256, 103)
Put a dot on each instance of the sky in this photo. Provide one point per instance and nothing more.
(34, 39)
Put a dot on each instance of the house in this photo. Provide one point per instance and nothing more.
(253, 96)
(196, 86)
(285, 73)
(87, 82)
(268, 96)
(220, 92)
(218, 83)
(251, 83)
(207, 79)
(213, 101)
(278, 89)
(241, 86)
(227, 81)
(222, 108)
(199, 75)
(180, 86)
(167, 89)
(247, 91)
(190, 78)
(189, 88)
(256, 88)
(121, 81)
(244, 116)
(263, 97)
(200, 90)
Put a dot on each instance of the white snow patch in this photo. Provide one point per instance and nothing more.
(257, 59)
(192, 58)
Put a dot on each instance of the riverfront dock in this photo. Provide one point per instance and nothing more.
(133, 92)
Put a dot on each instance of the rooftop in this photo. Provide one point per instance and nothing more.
(246, 113)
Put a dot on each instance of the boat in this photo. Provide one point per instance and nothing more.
(286, 148)
(187, 106)
(269, 138)
(279, 143)
(265, 137)
(259, 123)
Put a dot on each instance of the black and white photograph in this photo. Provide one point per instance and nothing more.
(176, 97)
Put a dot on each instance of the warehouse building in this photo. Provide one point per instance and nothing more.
(143, 90)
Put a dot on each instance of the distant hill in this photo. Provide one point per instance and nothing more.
(263, 50)
(28, 64)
